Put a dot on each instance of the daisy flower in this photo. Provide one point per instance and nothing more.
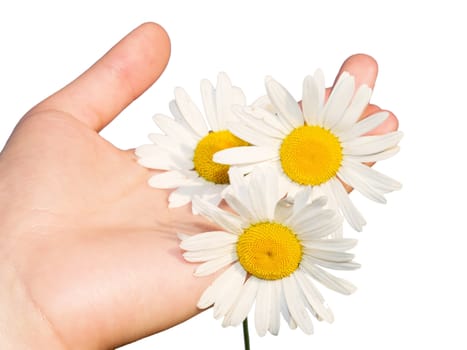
(189, 141)
(320, 146)
(271, 258)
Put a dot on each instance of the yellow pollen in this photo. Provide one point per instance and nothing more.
(204, 151)
(269, 250)
(310, 155)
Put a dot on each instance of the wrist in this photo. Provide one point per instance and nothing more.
(22, 326)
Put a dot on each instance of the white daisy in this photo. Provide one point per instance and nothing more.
(320, 144)
(186, 148)
(270, 256)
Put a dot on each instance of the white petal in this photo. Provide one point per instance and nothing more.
(307, 210)
(263, 102)
(285, 103)
(260, 121)
(310, 222)
(208, 240)
(318, 197)
(301, 199)
(263, 307)
(211, 266)
(283, 211)
(351, 214)
(246, 133)
(239, 184)
(371, 144)
(190, 112)
(372, 177)
(179, 198)
(183, 236)
(184, 194)
(245, 155)
(210, 192)
(208, 254)
(353, 179)
(257, 197)
(310, 100)
(331, 244)
(338, 100)
(243, 304)
(274, 309)
(161, 139)
(292, 187)
(284, 308)
(214, 198)
(157, 157)
(164, 162)
(245, 168)
(208, 95)
(264, 193)
(270, 119)
(325, 229)
(351, 265)
(314, 297)
(229, 291)
(224, 99)
(320, 84)
(329, 255)
(238, 207)
(364, 126)
(238, 97)
(215, 292)
(230, 222)
(172, 146)
(295, 304)
(175, 130)
(355, 109)
(376, 157)
(273, 191)
(179, 119)
(177, 114)
(170, 179)
(148, 151)
(332, 282)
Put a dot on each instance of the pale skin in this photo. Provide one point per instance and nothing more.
(89, 257)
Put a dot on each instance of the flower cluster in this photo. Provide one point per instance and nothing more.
(282, 168)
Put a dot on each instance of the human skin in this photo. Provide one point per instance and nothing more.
(89, 257)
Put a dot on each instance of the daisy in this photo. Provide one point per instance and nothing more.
(270, 255)
(189, 141)
(322, 145)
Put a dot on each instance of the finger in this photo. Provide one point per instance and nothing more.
(118, 78)
(363, 68)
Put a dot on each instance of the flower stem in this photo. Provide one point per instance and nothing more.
(246, 336)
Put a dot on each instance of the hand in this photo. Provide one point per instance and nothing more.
(89, 257)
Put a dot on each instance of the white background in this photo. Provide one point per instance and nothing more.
(411, 292)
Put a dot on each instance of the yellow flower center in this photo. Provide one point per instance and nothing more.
(310, 155)
(205, 149)
(269, 250)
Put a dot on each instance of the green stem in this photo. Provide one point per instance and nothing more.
(246, 336)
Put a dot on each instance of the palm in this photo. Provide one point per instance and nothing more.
(104, 241)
